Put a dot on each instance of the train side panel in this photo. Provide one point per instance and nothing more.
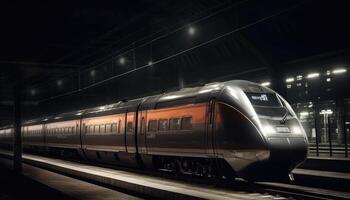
(177, 131)
(33, 136)
(64, 134)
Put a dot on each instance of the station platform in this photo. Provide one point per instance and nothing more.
(333, 164)
(57, 186)
(72, 178)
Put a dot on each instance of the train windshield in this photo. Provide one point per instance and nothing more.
(264, 99)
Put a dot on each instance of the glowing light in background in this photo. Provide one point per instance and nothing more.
(265, 84)
(33, 92)
(59, 83)
(313, 75)
(289, 80)
(93, 73)
(326, 112)
(122, 60)
(339, 71)
(191, 30)
(304, 113)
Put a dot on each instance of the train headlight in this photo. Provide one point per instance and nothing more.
(268, 130)
(296, 130)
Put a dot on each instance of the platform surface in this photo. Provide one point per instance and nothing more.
(71, 187)
(148, 185)
(321, 173)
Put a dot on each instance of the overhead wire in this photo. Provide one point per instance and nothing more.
(263, 19)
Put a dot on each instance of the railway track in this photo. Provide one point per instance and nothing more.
(260, 190)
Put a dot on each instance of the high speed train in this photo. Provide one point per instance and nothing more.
(228, 129)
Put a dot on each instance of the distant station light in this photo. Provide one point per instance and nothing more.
(289, 80)
(191, 30)
(150, 63)
(328, 72)
(326, 112)
(122, 60)
(304, 113)
(33, 92)
(299, 77)
(93, 73)
(265, 84)
(328, 79)
(339, 71)
(59, 83)
(313, 75)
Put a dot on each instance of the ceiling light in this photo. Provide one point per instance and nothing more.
(122, 60)
(289, 80)
(265, 84)
(339, 71)
(59, 83)
(304, 113)
(191, 30)
(92, 73)
(326, 112)
(313, 75)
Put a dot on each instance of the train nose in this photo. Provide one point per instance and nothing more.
(285, 153)
(287, 147)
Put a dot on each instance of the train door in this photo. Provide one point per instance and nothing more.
(141, 135)
(130, 132)
(211, 128)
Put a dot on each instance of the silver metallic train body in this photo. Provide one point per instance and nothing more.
(236, 128)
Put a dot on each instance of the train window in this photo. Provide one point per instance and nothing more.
(102, 128)
(186, 123)
(114, 127)
(143, 125)
(108, 128)
(73, 130)
(91, 129)
(119, 125)
(97, 129)
(175, 124)
(152, 125)
(129, 127)
(162, 124)
(263, 99)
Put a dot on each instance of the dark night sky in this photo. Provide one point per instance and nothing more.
(82, 33)
(46, 30)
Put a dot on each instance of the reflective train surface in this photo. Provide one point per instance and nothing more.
(233, 129)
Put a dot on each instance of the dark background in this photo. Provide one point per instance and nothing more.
(69, 55)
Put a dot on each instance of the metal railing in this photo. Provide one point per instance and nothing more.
(330, 147)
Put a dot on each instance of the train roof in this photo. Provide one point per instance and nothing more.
(181, 97)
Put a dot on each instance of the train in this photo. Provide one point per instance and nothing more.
(235, 128)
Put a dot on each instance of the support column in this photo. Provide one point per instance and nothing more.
(17, 145)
